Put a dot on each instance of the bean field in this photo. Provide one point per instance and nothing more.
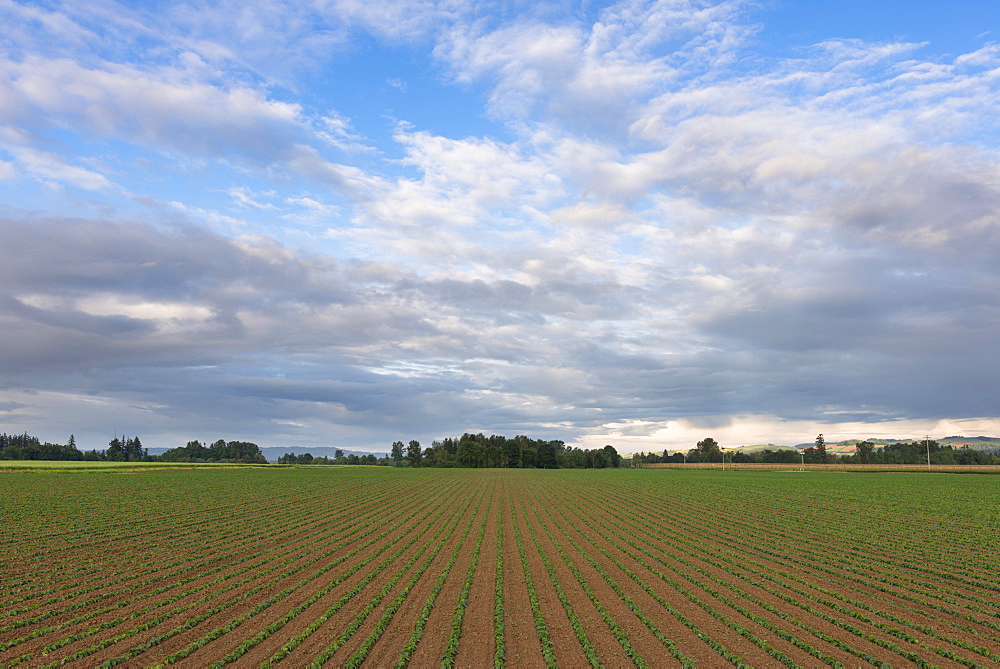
(381, 567)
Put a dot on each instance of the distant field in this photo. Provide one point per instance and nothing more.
(383, 567)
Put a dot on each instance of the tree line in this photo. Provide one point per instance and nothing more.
(26, 447)
(521, 452)
(915, 452)
(477, 450)
(127, 449)
(338, 459)
(218, 451)
(867, 452)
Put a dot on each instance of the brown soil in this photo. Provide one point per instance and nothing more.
(606, 646)
(432, 645)
(315, 643)
(688, 642)
(709, 547)
(523, 647)
(277, 547)
(477, 645)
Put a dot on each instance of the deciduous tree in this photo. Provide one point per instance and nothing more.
(865, 450)
(413, 453)
(708, 451)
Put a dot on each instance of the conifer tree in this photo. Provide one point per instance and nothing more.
(821, 449)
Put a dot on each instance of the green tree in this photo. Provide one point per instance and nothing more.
(707, 450)
(821, 449)
(865, 450)
(546, 455)
(470, 452)
(512, 450)
(245, 451)
(495, 456)
(217, 451)
(116, 450)
(397, 451)
(597, 458)
(573, 458)
(444, 455)
(413, 453)
(613, 457)
(134, 452)
(195, 450)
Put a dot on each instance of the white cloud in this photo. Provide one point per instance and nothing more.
(165, 112)
(988, 56)
(245, 198)
(53, 167)
(397, 20)
(168, 317)
(310, 204)
(483, 172)
(209, 216)
(465, 193)
(351, 181)
(22, 18)
(594, 76)
(163, 109)
(112, 305)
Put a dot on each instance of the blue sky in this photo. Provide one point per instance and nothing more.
(639, 223)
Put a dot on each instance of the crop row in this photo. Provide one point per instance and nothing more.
(854, 574)
(434, 509)
(314, 543)
(312, 551)
(186, 538)
(676, 537)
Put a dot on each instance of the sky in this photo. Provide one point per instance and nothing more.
(638, 223)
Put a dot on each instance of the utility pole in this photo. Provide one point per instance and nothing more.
(927, 445)
(802, 454)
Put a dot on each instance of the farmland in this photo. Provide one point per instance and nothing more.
(393, 567)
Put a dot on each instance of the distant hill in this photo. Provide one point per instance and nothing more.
(978, 443)
(846, 447)
(753, 448)
(849, 446)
